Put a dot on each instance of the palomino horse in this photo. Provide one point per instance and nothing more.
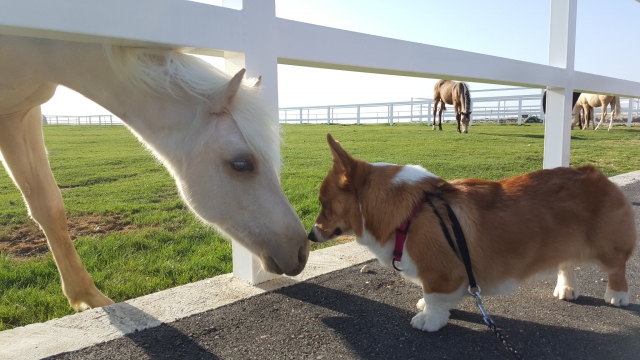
(456, 94)
(211, 132)
(587, 102)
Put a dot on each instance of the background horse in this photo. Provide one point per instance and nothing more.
(456, 94)
(587, 102)
(210, 131)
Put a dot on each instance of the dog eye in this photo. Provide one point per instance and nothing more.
(324, 205)
(241, 166)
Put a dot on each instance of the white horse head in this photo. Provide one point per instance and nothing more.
(217, 140)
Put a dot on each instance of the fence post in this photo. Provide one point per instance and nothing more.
(562, 52)
(498, 117)
(420, 113)
(390, 110)
(520, 111)
(358, 114)
(411, 118)
(300, 115)
(260, 58)
(629, 113)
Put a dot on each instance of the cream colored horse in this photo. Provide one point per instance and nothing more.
(456, 94)
(211, 132)
(587, 102)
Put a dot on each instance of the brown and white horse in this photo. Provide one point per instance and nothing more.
(456, 94)
(587, 102)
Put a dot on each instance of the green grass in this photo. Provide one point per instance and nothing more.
(105, 171)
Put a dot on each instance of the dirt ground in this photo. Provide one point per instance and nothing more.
(28, 240)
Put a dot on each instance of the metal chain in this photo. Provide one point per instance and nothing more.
(489, 321)
(504, 341)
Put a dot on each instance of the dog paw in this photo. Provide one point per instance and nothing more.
(566, 293)
(421, 304)
(429, 321)
(616, 298)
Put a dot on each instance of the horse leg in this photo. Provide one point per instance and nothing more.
(442, 108)
(458, 110)
(25, 158)
(613, 111)
(604, 114)
(435, 112)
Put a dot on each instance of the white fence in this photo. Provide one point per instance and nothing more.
(256, 39)
(81, 120)
(486, 109)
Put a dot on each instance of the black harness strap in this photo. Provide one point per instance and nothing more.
(461, 241)
(442, 225)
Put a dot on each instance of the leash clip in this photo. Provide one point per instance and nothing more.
(485, 316)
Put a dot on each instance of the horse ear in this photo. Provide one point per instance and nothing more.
(233, 86)
(343, 163)
(218, 101)
(258, 82)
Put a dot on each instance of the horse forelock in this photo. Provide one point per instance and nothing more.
(170, 72)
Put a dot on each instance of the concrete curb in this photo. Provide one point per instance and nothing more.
(626, 179)
(96, 326)
(91, 327)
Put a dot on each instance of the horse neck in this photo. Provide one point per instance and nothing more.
(155, 118)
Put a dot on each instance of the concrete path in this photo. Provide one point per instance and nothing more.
(342, 314)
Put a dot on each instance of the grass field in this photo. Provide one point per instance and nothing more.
(135, 236)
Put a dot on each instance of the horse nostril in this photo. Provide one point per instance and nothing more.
(337, 232)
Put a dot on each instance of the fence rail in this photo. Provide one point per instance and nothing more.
(485, 109)
(493, 109)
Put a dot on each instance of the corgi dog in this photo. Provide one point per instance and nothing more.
(514, 228)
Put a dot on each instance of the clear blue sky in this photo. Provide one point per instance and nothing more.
(606, 44)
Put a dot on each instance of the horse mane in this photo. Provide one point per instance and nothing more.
(168, 71)
(467, 98)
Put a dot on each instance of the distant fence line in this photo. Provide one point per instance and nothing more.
(81, 120)
(485, 109)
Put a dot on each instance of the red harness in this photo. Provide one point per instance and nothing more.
(401, 235)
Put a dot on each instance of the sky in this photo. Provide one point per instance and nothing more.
(606, 44)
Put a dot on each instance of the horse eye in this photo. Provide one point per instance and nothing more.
(324, 205)
(241, 166)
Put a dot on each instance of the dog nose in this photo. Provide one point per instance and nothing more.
(312, 236)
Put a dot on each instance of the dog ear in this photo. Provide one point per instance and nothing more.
(343, 163)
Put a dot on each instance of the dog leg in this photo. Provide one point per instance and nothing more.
(567, 287)
(617, 293)
(435, 313)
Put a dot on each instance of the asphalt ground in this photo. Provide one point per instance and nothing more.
(352, 315)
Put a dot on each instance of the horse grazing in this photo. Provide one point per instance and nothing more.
(456, 94)
(587, 102)
(211, 131)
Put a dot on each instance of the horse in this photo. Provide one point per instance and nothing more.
(456, 94)
(588, 102)
(210, 130)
